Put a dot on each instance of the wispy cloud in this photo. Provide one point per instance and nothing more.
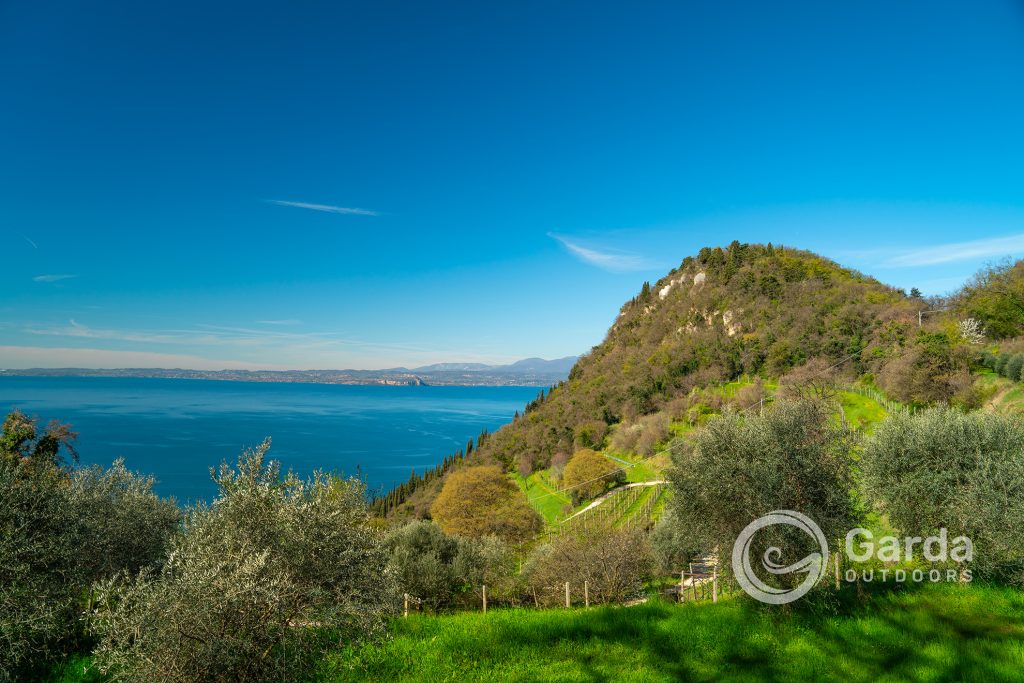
(289, 321)
(53, 278)
(959, 251)
(327, 208)
(607, 259)
(25, 237)
(198, 345)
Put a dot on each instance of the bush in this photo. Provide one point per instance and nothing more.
(127, 526)
(740, 468)
(614, 563)
(642, 436)
(422, 558)
(963, 471)
(669, 546)
(482, 501)
(1013, 367)
(257, 586)
(441, 570)
(932, 369)
(590, 434)
(40, 576)
(589, 474)
(487, 561)
(41, 537)
(1000, 362)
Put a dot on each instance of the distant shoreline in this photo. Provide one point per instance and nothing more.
(403, 378)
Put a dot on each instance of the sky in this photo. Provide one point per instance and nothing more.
(379, 184)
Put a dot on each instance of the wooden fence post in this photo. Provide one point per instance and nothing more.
(837, 570)
(714, 585)
(586, 593)
(485, 598)
(567, 604)
(406, 605)
(682, 587)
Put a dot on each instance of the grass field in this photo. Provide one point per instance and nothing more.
(543, 495)
(1006, 397)
(862, 413)
(936, 633)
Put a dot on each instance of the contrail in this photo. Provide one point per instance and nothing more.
(25, 237)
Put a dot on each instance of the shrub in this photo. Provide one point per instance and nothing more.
(487, 561)
(613, 562)
(750, 395)
(932, 369)
(1013, 367)
(441, 570)
(654, 430)
(127, 526)
(669, 545)
(589, 474)
(41, 576)
(740, 468)
(1000, 363)
(256, 587)
(590, 434)
(482, 501)
(963, 471)
(422, 558)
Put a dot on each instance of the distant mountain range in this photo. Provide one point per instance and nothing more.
(526, 372)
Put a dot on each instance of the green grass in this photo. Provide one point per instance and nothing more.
(641, 469)
(1006, 398)
(543, 495)
(861, 412)
(937, 633)
(77, 669)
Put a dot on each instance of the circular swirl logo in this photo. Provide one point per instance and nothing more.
(813, 565)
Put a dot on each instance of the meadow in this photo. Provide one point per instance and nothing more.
(933, 633)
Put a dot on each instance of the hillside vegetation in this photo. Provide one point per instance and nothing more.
(682, 347)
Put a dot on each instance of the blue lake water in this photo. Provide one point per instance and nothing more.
(177, 429)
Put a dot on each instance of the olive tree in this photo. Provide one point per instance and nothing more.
(127, 526)
(738, 468)
(422, 558)
(442, 570)
(259, 583)
(41, 576)
(943, 468)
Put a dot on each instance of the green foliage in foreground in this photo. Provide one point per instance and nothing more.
(936, 633)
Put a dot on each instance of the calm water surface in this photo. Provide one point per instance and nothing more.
(176, 429)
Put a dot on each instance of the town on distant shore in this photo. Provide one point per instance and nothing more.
(527, 372)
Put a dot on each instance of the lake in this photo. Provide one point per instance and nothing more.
(176, 429)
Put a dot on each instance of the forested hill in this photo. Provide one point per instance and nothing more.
(751, 309)
(756, 310)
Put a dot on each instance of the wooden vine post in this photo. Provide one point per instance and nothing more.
(567, 604)
(714, 585)
(406, 606)
(485, 598)
(586, 593)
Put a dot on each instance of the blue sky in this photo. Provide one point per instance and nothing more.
(373, 184)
